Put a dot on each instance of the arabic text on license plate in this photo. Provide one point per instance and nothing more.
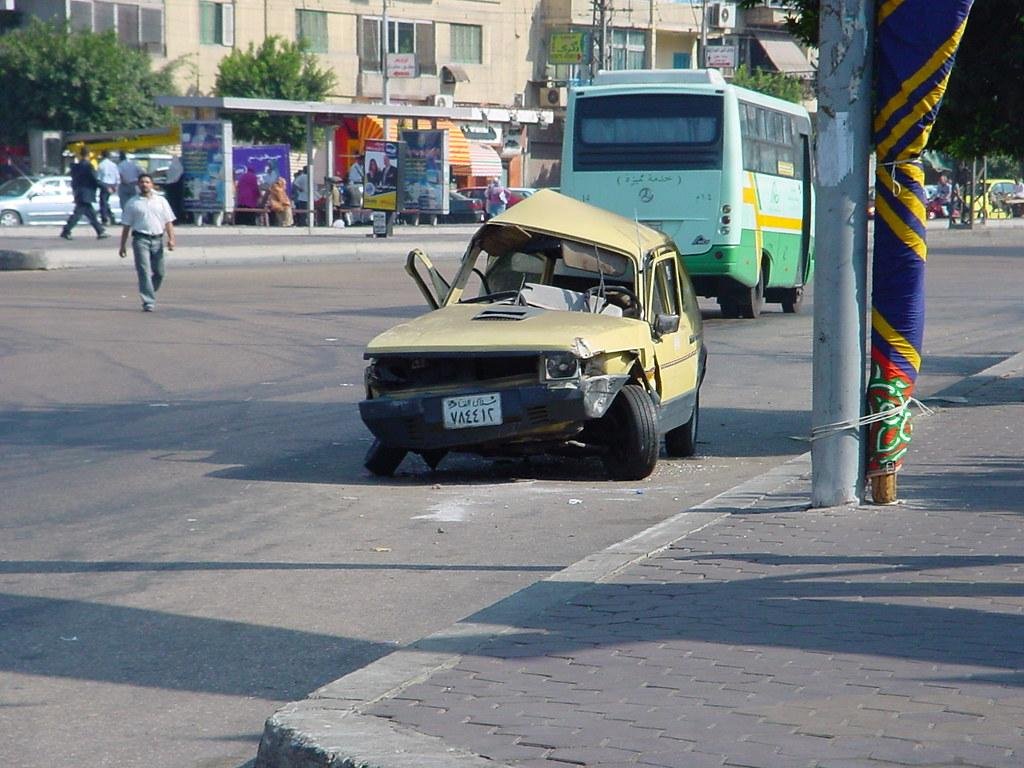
(472, 411)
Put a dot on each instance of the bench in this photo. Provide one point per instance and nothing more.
(262, 215)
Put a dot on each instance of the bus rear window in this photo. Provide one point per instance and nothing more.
(648, 132)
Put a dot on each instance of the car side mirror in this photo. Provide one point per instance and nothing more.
(666, 324)
(438, 288)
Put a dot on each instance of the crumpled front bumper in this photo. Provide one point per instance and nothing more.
(540, 412)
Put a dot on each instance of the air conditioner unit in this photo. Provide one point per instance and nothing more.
(723, 15)
(552, 96)
(443, 100)
(518, 100)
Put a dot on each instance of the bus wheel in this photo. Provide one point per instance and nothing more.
(793, 299)
(632, 435)
(729, 306)
(752, 299)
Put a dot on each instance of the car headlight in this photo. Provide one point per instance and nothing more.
(559, 366)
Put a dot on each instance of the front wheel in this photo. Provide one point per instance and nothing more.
(631, 434)
(10, 219)
(383, 459)
(682, 441)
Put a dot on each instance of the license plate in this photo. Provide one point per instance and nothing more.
(472, 411)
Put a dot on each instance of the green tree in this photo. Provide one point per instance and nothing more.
(772, 83)
(982, 110)
(278, 69)
(76, 81)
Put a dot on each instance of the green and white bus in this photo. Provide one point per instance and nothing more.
(724, 171)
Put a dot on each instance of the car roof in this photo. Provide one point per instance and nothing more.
(555, 214)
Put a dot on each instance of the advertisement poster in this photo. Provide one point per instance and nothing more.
(206, 158)
(269, 162)
(382, 169)
(425, 171)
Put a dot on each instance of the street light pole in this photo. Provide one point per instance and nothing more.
(840, 274)
(701, 55)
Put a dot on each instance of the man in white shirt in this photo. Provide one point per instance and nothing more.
(300, 194)
(146, 217)
(174, 186)
(129, 171)
(109, 178)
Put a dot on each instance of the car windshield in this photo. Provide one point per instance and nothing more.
(15, 187)
(539, 270)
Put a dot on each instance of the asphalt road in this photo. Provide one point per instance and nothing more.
(187, 536)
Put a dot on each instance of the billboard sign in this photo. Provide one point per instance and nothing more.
(206, 159)
(269, 162)
(425, 171)
(720, 56)
(566, 47)
(382, 166)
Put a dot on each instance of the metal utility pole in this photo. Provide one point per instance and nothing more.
(599, 23)
(654, 36)
(701, 55)
(385, 44)
(840, 299)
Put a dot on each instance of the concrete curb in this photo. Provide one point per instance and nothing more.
(327, 730)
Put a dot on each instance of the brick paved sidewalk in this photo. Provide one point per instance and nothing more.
(769, 635)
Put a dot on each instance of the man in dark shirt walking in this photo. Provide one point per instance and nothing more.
(83, 186)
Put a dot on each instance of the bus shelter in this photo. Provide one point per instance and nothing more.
(331, 115)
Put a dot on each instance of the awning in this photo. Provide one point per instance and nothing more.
(785, 55)
(453, 73)
(483, 161)
(458, 145)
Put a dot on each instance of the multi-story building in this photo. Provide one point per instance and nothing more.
(509, 54)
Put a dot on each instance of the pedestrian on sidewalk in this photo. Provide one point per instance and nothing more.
(83, 186)
(147, 217)
(279, 204)
(497, 198)
(129, 172)
(109, 178)
(300, 194)
(247, 196)
(174, 187)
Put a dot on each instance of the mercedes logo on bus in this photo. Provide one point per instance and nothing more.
(646, 195)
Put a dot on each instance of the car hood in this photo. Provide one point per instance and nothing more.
(489, 328)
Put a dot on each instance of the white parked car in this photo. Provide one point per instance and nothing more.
(42, 200)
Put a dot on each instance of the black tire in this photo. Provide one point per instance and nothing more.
(10, 219)
(631, 431)
(433, 456)
(383, 459)
(751, 300)
(730, 309)
(793, 300)
(682, 441)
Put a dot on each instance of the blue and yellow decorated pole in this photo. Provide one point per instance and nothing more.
(916, 42)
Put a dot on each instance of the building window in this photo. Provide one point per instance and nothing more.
(467, 44)
(135, 25)
(311, 26)
(403, 37)
(629, 49)
(216, 23)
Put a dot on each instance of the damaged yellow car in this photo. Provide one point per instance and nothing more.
(567, 329)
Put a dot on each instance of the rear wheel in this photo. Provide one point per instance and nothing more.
(383, 459)
(682, 441)
(751, 300)
(792, 300)
(10, 219)
(631, 432)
